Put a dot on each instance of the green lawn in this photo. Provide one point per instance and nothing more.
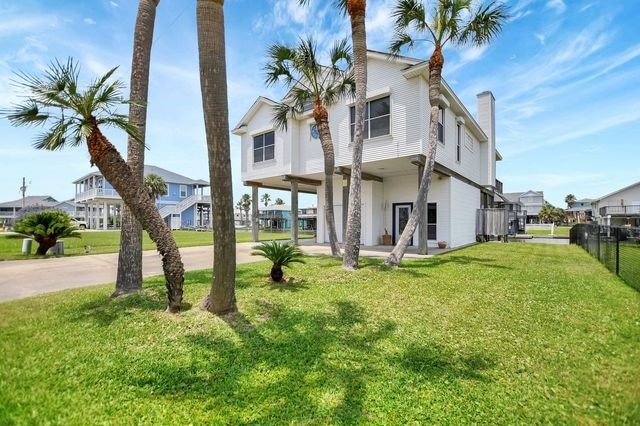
(559, 231)
(109, 242)
(483, 335)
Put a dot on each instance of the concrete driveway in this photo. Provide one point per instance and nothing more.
(24, 278)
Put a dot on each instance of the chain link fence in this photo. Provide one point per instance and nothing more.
(618, 248)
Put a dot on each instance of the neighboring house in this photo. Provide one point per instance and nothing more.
(396, 139)
(9, 210)
(70, 207)
(580, 210)
(620, 208)
(531, 202)
(185, 205)
(278, 217)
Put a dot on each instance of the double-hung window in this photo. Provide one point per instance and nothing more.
(377, 118)
(441, 125)
(183, 191)
(459, 144)
(263, 147)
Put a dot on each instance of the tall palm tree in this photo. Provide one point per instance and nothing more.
(76, 115)
(266, 199)
(307, 80)
(570, 198)
(246, 205)
(129, 276)
(155, 186)
(240, 209)
(456, 22)
(356, 9)
(213, 84)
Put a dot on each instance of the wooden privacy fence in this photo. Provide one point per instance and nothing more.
(491, 224)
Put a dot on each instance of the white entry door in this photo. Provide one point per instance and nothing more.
(401, 213)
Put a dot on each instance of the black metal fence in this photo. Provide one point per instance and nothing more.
(618, 248)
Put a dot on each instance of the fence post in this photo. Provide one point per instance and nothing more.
(617, 234)
(598, 243)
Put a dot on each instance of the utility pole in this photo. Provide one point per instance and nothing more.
(23, 189)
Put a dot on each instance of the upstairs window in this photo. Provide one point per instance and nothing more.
(459, 144)
(183, 191)
(441, 125)
(377, 118)
(263, 147)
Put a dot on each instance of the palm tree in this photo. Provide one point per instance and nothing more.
(246, 205)
(281, 254)
(240, 209)
(308, 81)
(456, 22)
(155, 186)
(46, 227)
(266, 199)
(213, 84)
(570, 198)
(75, 115)
(129, 276)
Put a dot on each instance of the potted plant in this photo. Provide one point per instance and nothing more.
(442, 244)
(386, 238)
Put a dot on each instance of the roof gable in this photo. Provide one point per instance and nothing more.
(257, 104)
(618, 191)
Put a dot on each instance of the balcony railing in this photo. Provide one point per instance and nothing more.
(632, 210)
(97, 193)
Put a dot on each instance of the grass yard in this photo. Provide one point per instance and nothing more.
(560, 231)
(480, 335)
(109, 242)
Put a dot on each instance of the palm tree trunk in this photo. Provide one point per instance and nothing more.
(213, 84)
(322, 121)
(129, 277)
(115, 170)
(435, 77)
(356, 9)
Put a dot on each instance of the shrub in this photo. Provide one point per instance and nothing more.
(45, 228)
(281, 254)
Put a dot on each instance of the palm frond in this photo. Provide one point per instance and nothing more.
(281, 114)
(122, 122)
(56, 137)
(485, 24)
(27, 114)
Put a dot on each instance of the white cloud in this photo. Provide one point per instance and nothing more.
(541, 38)
(557, 5)
(113, 3)
(89, 21)
(16, 24)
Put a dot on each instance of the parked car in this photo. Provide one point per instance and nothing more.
(79, 223)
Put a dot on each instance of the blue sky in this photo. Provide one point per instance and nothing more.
(565, 75)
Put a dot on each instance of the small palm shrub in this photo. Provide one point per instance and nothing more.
(46, 227)
(281, 254)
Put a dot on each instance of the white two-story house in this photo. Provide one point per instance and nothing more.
(396, 138)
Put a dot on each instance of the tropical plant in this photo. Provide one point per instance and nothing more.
(356, 9)
(570, 198)
(129, 275)
(279, 202)
(457, 22)
(46, 227)
(240, 209)
(308, 81)
(155, 186)
(281, 254)
(75, 113)
(265, 199)
(213, 85)
(550, 214)
(246, 205)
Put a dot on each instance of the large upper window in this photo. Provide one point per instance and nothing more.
(183, 191)
(440, 124)
(263, 147)
(377, 116)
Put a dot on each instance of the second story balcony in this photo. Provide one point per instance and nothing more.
(631, 210)
(97, 193)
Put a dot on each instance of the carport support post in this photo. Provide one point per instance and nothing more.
(422, 221)
(346, 182)
(294, 211)
(254, 213)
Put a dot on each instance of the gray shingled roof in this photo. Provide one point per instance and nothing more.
(168, 176)
(31, 200)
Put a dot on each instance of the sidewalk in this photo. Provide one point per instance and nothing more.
(25, 278)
